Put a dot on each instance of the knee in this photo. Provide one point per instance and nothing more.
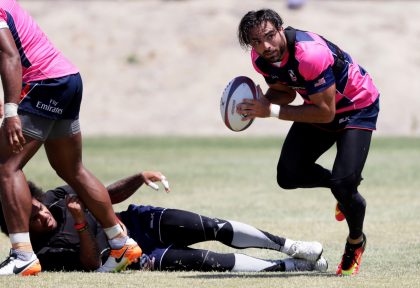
(351, 181)
(6, 173)
(285, 179)
(345, 188)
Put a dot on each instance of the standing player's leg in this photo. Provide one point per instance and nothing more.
(186, 259)
(352, 150)
(64, 150)
(183, 228)
(65, 156)
(302, 147)
(17, 205)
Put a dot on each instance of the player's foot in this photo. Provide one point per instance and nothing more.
(304, 250)
(147, 263)
(119, 259)
(297, 265)
(339, 215)
(352, 258)
(14, 265)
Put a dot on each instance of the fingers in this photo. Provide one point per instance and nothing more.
(165, 184)
(162, 179)
(246, 109)
(72, 199)
(259, 92)
(14, 134)
(250, 108)
(153, 185)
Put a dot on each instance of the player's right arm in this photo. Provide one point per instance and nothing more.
(280, 94)
(124, 188)
(11, 76)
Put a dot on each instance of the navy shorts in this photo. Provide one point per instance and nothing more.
(364, 118)
(54, 99)
(143, 224)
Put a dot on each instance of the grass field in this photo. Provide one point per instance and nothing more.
(234, 178)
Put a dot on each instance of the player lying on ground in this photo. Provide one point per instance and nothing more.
(67, 237)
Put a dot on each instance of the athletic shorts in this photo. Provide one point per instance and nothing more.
(50, 108)
(143, 224)
(42, 129)
(54, 99)
(364, 118)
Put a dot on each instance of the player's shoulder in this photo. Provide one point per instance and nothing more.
(312, 54)
(311, 47)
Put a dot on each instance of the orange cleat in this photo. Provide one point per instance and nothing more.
(119, 259)
(339, 216)
(352, 258)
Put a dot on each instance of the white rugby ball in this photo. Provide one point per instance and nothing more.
(236, 91)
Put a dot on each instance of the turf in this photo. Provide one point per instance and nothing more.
(234, 178)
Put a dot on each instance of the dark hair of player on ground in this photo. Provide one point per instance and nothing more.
(36, 192)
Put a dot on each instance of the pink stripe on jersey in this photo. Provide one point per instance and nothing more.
(43, 60)
(313, 57)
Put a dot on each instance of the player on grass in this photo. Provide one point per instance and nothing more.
(341, 106)
(42, 95)
(67, 237)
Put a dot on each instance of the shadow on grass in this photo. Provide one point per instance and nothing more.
(256, 275)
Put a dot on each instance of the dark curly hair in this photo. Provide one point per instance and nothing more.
(36, 192)
(254, 19)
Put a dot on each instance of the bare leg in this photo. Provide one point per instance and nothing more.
(15, 196)
(65, 156)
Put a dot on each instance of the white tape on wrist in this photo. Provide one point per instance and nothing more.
(274, 110)
(10, 110)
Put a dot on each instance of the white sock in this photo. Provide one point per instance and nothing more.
(118, 242)
(245, 235)
(114, 231)
(23, 255)
(19, 238)
(245, 263)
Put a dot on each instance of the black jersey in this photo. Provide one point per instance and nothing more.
(59, 250)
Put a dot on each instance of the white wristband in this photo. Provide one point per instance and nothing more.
(274, 110)
(10, 110)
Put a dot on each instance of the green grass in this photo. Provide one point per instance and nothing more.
(234, 178)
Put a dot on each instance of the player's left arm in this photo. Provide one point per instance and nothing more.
(321, 110)
(124, 188)
(89, 254)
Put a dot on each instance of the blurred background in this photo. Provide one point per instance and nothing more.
(159, 67)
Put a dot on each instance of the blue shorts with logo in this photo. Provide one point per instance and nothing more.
(364, 118)
(54, 99)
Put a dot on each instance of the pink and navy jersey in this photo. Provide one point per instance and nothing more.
(40, 59)
(312, 64)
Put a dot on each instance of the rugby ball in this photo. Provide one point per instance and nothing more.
(236, 91)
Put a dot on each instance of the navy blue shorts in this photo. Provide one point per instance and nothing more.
(143, 224)
(364, 118)
(54, 99)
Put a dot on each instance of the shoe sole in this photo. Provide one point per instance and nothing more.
(131, 256)
(32, 270)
